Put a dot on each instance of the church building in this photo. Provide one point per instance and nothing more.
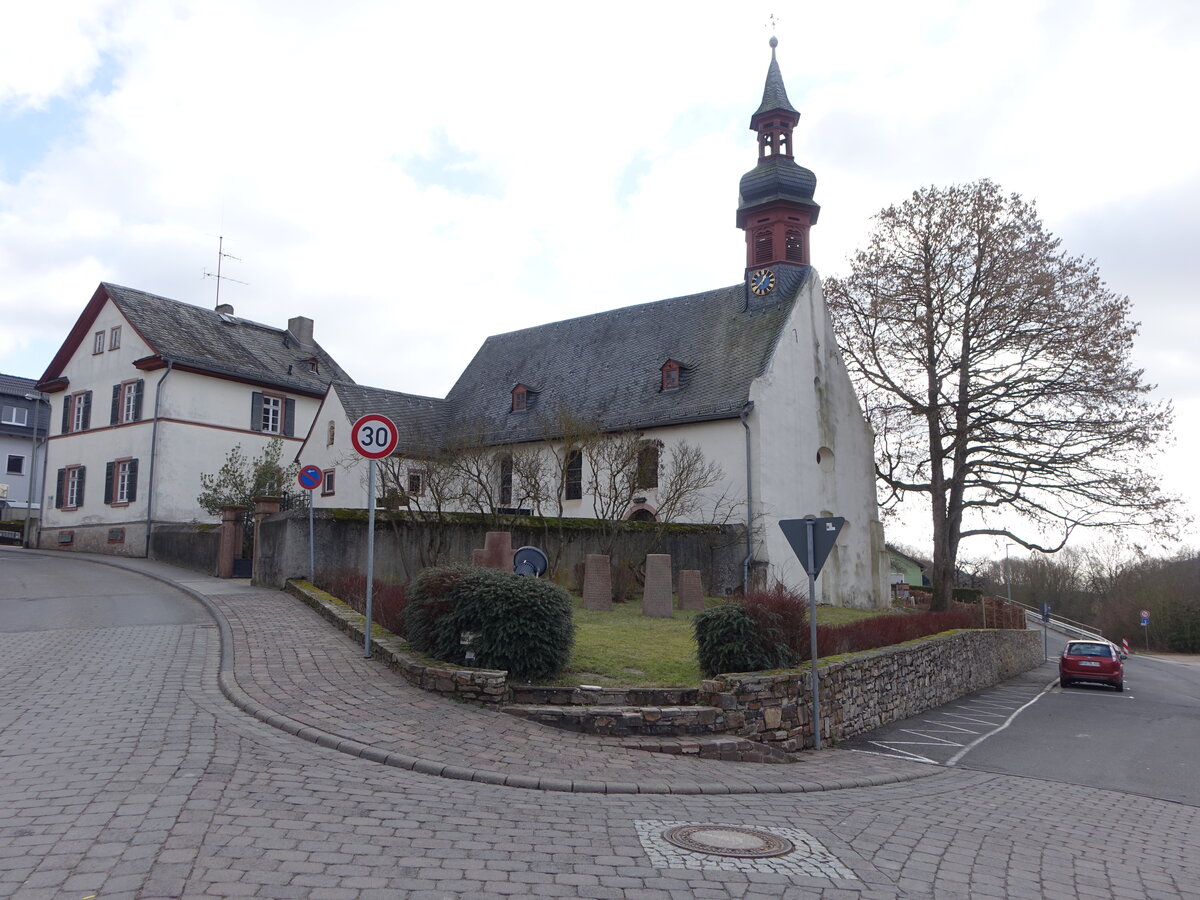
(749, 374)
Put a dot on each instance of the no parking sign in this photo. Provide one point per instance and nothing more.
(310, 477)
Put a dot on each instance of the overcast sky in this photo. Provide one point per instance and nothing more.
(416, 178)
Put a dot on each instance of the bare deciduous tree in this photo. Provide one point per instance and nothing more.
(996, 372)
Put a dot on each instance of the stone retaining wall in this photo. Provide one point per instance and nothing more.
(866, 690)
(859, 692)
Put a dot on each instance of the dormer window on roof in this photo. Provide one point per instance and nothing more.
(523, 397)
(670, 375)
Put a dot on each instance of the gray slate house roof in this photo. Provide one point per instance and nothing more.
(604, 370)
(13, 389)
(421, 421)
(16, 386)
(208, 341)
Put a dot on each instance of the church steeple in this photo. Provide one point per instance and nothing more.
(775, 198)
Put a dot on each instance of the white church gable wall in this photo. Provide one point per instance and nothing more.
(812, 456)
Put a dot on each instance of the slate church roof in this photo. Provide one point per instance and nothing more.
(204, 340)
(604, 370)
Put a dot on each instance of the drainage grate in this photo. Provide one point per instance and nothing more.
(728, 840)
(738, 848)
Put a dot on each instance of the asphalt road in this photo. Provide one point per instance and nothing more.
(1144, 741)
(52, 591)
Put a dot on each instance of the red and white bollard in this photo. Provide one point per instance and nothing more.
(1125, 645)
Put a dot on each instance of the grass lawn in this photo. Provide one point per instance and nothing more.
(623, 648)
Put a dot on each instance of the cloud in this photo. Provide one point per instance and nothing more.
(415, 178)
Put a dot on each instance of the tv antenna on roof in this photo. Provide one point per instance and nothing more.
(221, 254)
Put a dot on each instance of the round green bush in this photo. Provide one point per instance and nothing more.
(520, 624)
(729, 638)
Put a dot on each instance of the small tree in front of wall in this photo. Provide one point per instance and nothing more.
(240, 479)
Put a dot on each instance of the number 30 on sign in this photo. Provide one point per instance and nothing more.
(374, 436)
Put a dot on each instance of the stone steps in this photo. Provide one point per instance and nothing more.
(620, 721)
(722, 747)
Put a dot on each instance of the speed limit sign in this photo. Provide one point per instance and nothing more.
(374, 436)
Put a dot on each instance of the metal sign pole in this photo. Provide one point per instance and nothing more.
(370, 552)
(812, 635)
(312, 574)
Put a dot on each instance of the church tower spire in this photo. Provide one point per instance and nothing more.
(775, 198)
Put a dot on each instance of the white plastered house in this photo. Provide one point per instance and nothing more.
(148, 393)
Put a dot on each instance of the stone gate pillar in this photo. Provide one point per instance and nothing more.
(230, 541)
(263, 507)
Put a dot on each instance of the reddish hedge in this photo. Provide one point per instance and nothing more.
(388, 600)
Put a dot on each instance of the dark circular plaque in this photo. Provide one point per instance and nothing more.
(728, 840)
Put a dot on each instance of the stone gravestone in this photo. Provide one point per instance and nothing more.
(497, 552)
(656, 601)
(597, 582)
(691, 589)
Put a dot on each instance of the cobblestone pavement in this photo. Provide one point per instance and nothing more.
(125, 773)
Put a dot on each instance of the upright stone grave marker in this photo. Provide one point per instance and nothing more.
(691, 589)
(597, 582)
(657, 600)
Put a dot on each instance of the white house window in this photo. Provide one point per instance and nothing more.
(98, 342)
(114, 337)
(16, 465)
(129, 397)
(80, 409)
(327, 483)
(70, 487)
(14, 415)
(272, 414)
(330, 433)
(122, 482)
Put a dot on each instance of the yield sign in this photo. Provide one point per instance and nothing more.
(824, 535)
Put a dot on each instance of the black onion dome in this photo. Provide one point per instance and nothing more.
(777, 178)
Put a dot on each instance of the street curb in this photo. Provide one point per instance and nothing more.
(233, 692)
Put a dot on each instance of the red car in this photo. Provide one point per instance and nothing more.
(1092, 661)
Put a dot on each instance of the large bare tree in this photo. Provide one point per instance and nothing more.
(996, 372)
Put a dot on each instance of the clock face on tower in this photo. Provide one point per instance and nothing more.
(762, 282)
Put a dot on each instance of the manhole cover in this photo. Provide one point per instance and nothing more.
(728, 840)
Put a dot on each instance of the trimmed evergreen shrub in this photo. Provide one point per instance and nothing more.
(520, 624)
(749, 634)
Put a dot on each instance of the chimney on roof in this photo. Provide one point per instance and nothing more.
(225, 309)
(301, 328)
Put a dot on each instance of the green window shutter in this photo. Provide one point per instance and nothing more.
(256, 408)
(116, 406)
(109, 469)
(131, 489)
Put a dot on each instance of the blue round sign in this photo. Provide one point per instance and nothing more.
(309, 477)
